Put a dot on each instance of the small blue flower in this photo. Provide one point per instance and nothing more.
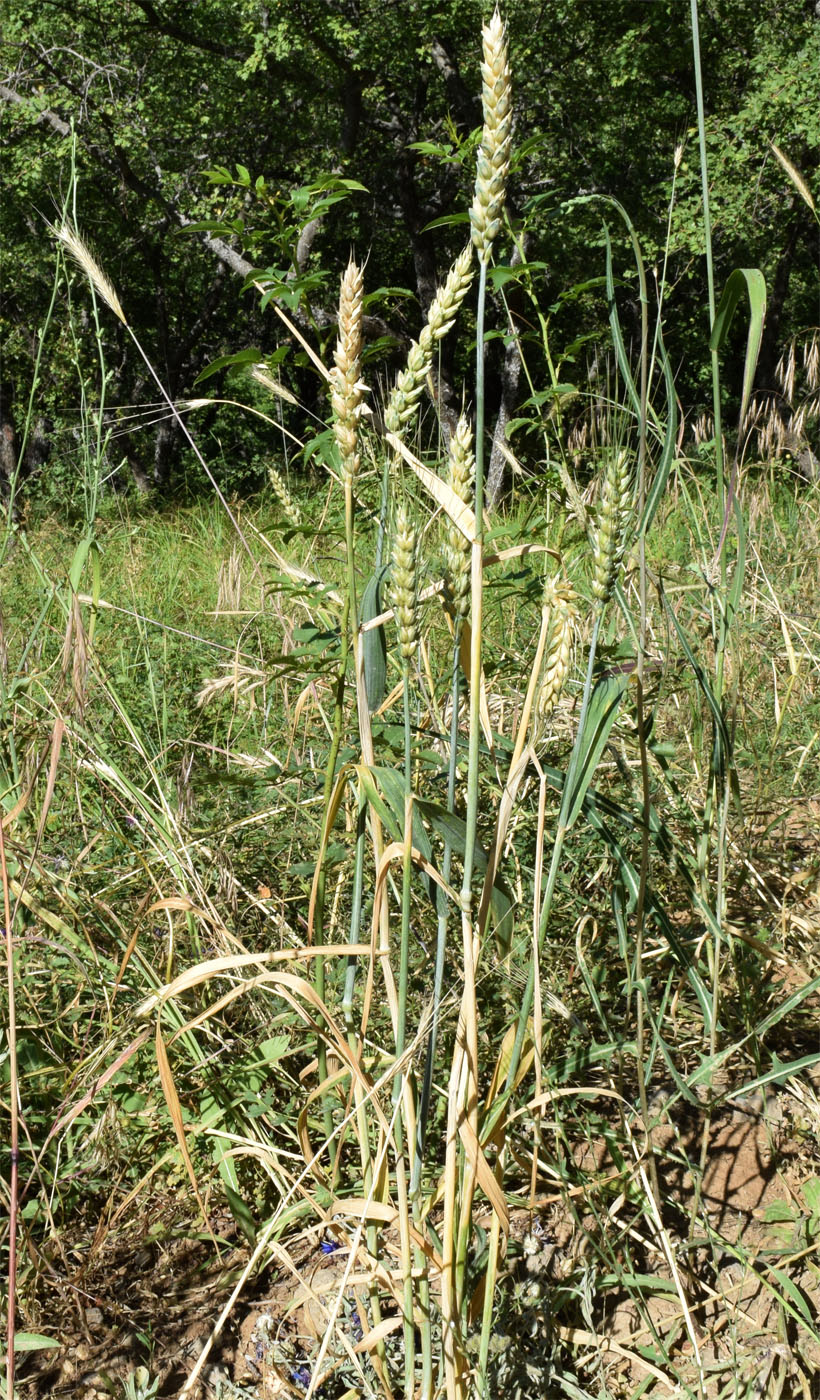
(330, 1246)
(301, 1375)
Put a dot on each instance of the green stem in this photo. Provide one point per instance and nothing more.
(441, 934)
(707, 231)
(477, 605)
(407, 873)
(557, 850)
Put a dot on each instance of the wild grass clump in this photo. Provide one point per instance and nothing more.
(417, 935)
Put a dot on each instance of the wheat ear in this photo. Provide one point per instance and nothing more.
(346, 387)
(410, 384)
(282, 493)
(494, 153)
(403, 589)
(562, 617)
(610, 536)
(457, 548)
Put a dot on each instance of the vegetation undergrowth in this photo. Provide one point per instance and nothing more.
(406, 901)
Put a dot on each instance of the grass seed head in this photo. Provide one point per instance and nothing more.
(812, 363)
(494, 153)
(346, 387)
(79, 251)
(403, 586)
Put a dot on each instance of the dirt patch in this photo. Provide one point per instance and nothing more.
(730, 1291)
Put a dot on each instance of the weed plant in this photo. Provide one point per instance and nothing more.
(397, 893)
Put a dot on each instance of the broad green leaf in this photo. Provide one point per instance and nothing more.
(453, 830)
(75, 573)
(811, 1194)
(778, 1074)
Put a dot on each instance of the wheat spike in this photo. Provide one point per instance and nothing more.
(410, 384)
(346, 387)
(494, 153)
(614, 516)
(457, 548)
(283, 495)
(562, 617)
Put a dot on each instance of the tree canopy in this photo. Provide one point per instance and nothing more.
(210, 141)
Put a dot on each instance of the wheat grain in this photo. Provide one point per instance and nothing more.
(562, 618)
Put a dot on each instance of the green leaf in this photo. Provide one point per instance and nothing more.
(251, 356)
(75, 573)
(241, 1213)
(34, 1341)
(811, 1195)
(752, 281)
(598, 721)
(656, 490)
(724, 744)
(453, 830)
(374, 641)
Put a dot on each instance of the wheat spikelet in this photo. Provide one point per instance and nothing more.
(78, 250)
(289, 506)
(558, 604)
(610, 535)
(494, 153)
(346, 387)
(403, 585)
(443, 311)
(457, 548)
